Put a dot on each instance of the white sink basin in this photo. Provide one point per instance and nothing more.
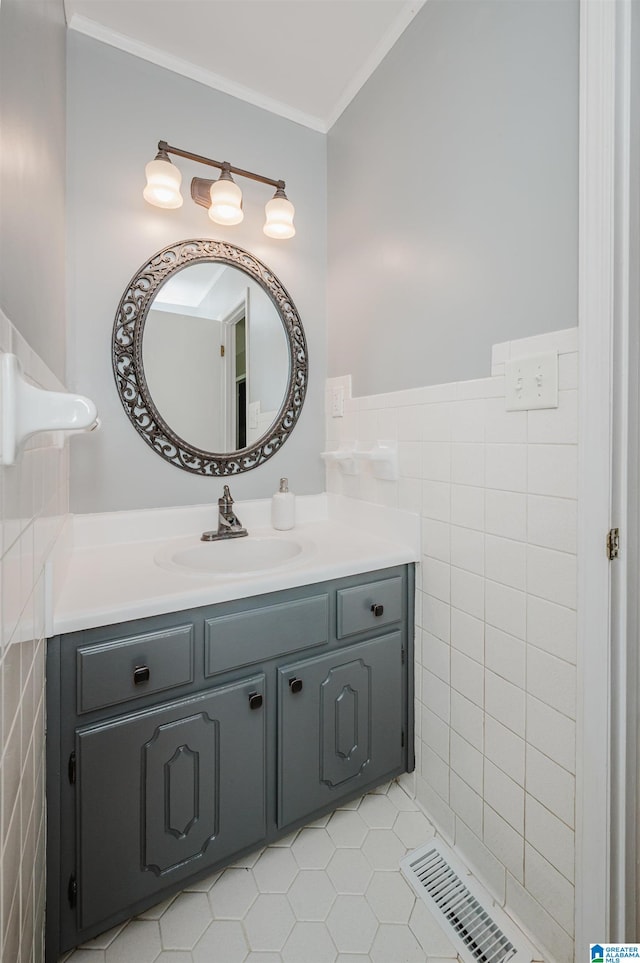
(232, 556)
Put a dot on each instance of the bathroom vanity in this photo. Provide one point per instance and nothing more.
(208, 695)
(179, 741)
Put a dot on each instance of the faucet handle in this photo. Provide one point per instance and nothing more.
(229, 525)
(226, 501)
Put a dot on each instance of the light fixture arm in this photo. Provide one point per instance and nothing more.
(221, 166)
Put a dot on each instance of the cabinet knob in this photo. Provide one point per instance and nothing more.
(377, 609)
(141, 674)
(255, 700)
(295, 685)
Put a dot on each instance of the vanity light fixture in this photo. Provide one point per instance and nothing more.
(280, 211)
(163, 182)
(221, 197)
(226, 200)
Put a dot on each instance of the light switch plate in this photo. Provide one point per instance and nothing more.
(532, 382)
(337, 402)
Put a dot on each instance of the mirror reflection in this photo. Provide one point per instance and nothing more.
(216, 357)
(209, 357)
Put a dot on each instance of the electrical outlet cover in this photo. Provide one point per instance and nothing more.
(532, 382)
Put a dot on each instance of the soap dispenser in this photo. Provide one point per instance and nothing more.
(283, 507)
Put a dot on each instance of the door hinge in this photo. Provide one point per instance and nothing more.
(402, 656)
(72, 891)
(71, 769)
(402, 739)
(222, 351)
(613, 543)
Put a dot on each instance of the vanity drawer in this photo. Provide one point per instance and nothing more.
(125, 669)
(369, 606)
(265, 633)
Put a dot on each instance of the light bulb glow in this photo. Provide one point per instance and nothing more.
(226, 202)
(279, 222)
(163, 184)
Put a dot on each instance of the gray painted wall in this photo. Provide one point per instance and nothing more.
(118, 109)
(32, 174)
(453, 194)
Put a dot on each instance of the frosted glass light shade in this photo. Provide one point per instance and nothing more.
(279, 223)
(163, 184)
(226, 202)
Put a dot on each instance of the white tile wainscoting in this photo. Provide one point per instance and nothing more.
(34, 500)
(496, 619)
(495, 647)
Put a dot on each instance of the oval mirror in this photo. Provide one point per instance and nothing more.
(209, 357)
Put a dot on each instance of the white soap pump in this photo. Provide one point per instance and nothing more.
(283, 508)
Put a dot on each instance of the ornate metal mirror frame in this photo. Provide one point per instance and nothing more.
(128, 368)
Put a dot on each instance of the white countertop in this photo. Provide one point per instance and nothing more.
(112, 576)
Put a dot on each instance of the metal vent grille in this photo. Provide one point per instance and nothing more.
(460, 911)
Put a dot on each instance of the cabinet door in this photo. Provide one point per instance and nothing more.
(340, 724)
(165, 792)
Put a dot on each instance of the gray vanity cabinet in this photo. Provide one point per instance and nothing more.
(340, 724)
(160, 792)
(179, 742)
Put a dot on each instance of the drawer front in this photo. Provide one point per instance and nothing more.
(264, 633)
(369, 607)
(127, 669)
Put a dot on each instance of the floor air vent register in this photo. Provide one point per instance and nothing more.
(479, 936)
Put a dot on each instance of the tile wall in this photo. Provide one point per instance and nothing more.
(496, 619)
(34, 502)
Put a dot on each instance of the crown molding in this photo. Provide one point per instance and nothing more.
(95, 30)
(90, 28)
(376, 57)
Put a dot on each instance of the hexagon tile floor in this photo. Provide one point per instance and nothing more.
(329, 893)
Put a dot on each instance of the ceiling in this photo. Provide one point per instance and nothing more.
(302, 59)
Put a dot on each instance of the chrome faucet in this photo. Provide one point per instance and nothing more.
(229, 525)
